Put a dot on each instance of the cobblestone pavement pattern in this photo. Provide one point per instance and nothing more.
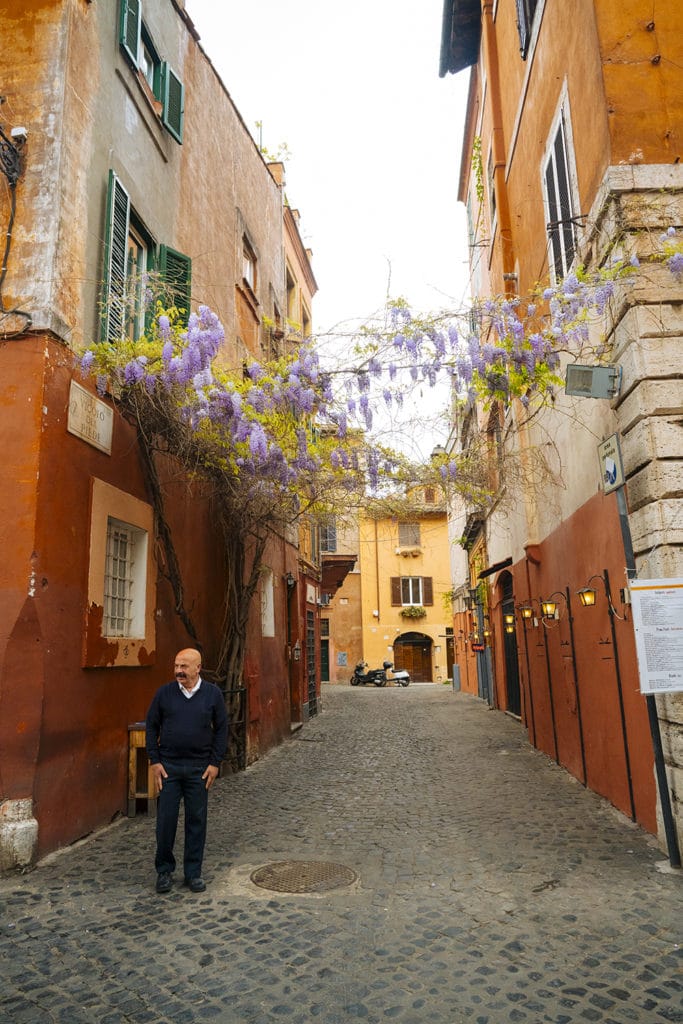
(491, 888)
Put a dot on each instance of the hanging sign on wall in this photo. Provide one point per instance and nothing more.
(658, 623)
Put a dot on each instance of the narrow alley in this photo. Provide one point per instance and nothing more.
(475, 881)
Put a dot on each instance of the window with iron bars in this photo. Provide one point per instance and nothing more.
(119, 579)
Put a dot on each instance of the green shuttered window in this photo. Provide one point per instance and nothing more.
(130, 24)
(117, 227)
(122, 294)
(173, 99)
(137, 44)
(176, 274)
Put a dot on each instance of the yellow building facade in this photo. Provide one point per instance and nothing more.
(406, 615)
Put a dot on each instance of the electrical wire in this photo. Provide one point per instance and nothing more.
(10, 165)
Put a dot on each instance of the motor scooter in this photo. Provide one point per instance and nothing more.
(400, 676)
(378, 676)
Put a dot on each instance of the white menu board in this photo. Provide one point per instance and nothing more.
(658, 623)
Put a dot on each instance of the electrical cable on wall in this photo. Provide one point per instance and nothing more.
(10, 165)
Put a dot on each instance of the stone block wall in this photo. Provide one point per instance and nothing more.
(634, 206)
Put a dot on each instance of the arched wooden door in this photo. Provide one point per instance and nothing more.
(413, 651)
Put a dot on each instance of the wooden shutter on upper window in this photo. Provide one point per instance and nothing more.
(176, 280)
(173, 101)
(427, 590)
(129, 29)
(396, 590)
(116, 230)
(525, 19)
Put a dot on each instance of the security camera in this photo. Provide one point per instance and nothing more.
(19, 133)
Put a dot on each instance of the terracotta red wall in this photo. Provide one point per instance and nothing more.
(590, 706)
(63, 728)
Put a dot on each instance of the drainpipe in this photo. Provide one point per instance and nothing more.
(379, 610)
(620, 693)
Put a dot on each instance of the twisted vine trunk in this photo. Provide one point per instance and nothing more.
(244, 543)
(163, 531)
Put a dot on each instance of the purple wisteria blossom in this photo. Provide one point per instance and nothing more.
(675, 264)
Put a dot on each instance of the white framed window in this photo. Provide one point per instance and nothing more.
(139, 258)
(560, 194)
(248, 265)
(411, 590)
(328, 536)
(120, 622)
(124, 580)
(408, 590)
(267, 603)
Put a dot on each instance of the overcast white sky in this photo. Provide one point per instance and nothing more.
(374, 135)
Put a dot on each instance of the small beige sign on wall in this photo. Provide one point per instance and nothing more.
(89, 418)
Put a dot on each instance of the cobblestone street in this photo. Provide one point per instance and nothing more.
(490, 888)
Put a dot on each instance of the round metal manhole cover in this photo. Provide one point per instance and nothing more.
(303, 876)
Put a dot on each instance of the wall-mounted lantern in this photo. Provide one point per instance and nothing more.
(587, 596)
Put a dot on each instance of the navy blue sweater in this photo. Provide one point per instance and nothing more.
(182, 729)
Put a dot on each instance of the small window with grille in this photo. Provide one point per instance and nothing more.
(124, 580)
(409, 535)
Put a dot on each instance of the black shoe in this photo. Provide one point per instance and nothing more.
(164, 882)
(195, 884)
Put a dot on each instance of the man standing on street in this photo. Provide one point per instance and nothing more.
(187, 732)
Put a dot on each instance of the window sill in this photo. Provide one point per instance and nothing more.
(412, 552)
(155, 104)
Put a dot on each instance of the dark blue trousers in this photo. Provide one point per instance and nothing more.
(184, 782)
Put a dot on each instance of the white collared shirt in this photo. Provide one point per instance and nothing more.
(190, 693)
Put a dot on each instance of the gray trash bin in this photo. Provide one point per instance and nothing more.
(456, 677)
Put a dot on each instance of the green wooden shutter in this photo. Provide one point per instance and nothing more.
(175, 270)
(396, 590)
(129, 29)
(427, 591)
(173, 100)
(117, 224)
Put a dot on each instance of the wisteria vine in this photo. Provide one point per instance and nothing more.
(287, 422)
